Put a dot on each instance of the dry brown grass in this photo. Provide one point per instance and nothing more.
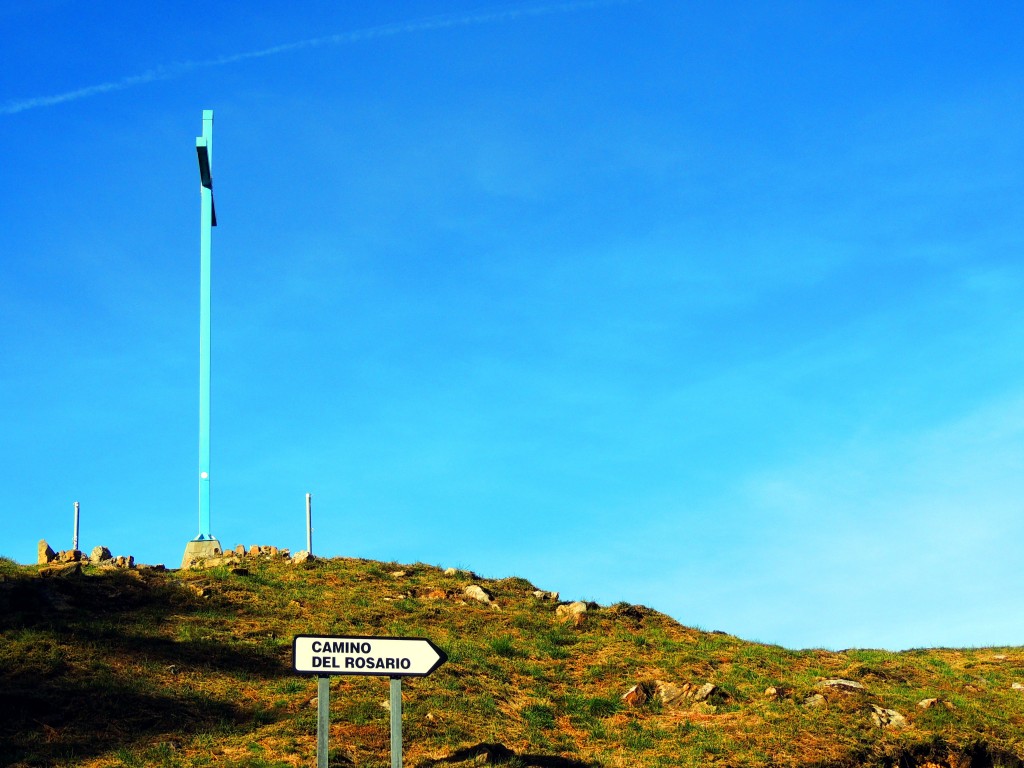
(122, 669)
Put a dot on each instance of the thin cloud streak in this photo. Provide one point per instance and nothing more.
(345, 38)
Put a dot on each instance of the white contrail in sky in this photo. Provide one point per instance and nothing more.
(172, 71)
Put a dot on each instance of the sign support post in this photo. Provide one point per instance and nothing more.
(323, 718)
(392, 657)
(396, 722)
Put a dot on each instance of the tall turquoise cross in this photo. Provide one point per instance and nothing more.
(208, 220)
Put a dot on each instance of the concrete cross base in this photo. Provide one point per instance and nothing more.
(201, 550)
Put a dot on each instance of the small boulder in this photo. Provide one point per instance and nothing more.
(478, 593)
(99, 555)
(705, 692)
(668, 693)
(398, 574)
(45, 553)
(571, 610)
(887, 718)
(302, 557)
(635, 696)
(240, 550)
(255, 550)
(540, 594)
(1017, 686)
(930, 703)
(70, 556)
(814, 700)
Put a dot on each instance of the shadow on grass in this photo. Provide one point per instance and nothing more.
(499, 754)
(72, 645)
(63, 719)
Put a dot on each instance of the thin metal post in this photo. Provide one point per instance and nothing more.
(309, 523)
(205, 245)
(74, 544)
(323, 719)
(396, 722)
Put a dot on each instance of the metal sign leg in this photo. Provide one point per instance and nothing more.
(396, 722)
(323, 719)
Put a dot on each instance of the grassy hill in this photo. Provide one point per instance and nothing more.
(193, 668)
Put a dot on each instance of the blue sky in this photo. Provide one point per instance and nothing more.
(717, 310)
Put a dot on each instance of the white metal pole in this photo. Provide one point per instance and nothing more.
(309, 523)
(74, 543)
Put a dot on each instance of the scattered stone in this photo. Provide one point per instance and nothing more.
(45, 553)
(674, 695)
(121, 561)
(772, 692)
(451, 571)
(99, 555)
(571, 610)
(887, 718)
(540, 594)
(199, 563)
(255, 550)
(398, 574)
(635, 696)
(842, 685)
(70, 556)
(285, 553)
(240, 550)
(272, 551)
(814, 700)
(160, 567)
(302, 557)
(999, 657)
(930, 703)
(668, 693)
(705, 692)
(1017, 686)
(478, 593)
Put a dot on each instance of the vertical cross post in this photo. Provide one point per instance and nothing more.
(208, 220)
(204, 545)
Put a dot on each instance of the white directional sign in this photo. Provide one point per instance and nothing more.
(386, 656)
